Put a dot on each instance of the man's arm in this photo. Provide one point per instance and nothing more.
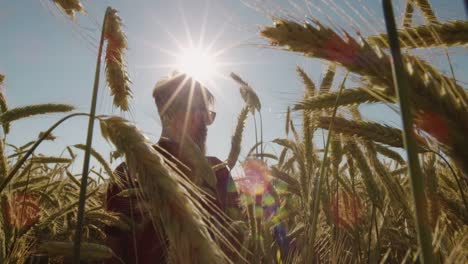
(116, 239)
(229, 201)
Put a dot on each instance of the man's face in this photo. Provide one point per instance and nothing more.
(196, 125)
(198, 129)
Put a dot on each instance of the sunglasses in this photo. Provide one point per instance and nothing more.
(208, 115)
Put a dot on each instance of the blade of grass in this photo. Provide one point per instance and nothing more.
(417, 182)
(316, 197)
(89, 139)
(23, 159)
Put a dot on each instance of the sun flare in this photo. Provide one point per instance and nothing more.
(197, 63)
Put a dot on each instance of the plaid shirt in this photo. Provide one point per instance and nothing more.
(143, 244)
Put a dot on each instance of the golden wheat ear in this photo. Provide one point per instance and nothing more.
(70, 7)
(365, 130)
(3, 105)
(116, 69)
(236, 140)
(444, 34)
(171, 203)
(353, 96)
(30, 110)
(247, 93)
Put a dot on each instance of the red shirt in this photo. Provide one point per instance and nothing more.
(143, 244)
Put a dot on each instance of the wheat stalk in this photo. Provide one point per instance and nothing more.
(169, 203)
(3, 162)
(237, 138)
(30, 110)
(116, 70)
(402, 88)
(50, 160)
(445, 34)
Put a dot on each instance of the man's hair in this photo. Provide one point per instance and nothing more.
(180, 92)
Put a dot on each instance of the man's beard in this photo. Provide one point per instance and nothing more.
(199, 137)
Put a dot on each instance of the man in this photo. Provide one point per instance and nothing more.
(186, 109)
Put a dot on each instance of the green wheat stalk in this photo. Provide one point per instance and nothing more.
(403, 92)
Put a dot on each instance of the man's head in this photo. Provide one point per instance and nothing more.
(185, 107)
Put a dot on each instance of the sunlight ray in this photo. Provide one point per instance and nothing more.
(188, 34)
(203, 26)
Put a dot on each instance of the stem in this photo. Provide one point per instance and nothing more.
(256, 136)
(370, 234)
(460, 188)
(261, 133)
(417, 182)
(89, 139)
(316, 199)
(23, 159)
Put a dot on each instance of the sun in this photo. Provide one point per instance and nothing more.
(198, 63)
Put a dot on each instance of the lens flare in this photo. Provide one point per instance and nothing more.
(22, 210)
(347, 210)
(255, 177)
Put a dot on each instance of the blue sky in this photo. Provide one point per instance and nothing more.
(48, 58)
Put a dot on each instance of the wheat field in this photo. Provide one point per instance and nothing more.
(371, 193)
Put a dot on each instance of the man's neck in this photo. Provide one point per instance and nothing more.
(175, 138)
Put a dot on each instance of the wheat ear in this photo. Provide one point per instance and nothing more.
(408, 13)
(389, 154)
(307, 130)
(3, 105)
(169, 204)
(394, 189)
(308, 83)
(116, 69)
(237, 138)
(30, 110)
(427, 10)
(327, 80)
(354, 96)
(365, 130)
(247, 93)
(444, 34)
(70, 7)
(430, 91)
(372, 188)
